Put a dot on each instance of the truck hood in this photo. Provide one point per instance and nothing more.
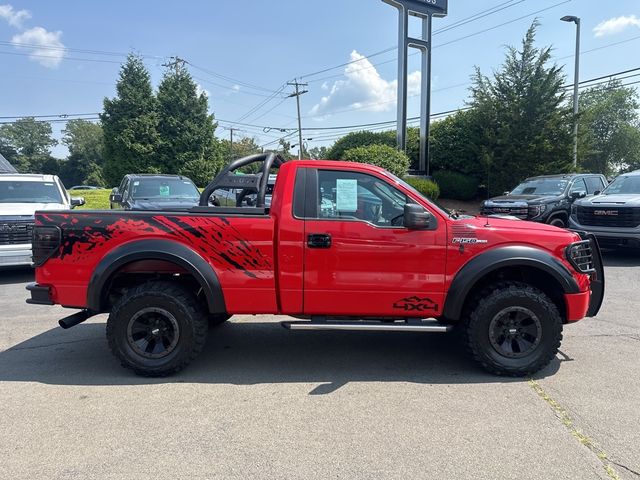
(629, 200)
(507, 199)
(28, 209)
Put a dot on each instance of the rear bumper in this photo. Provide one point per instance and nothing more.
(39, 295)
(15, 255)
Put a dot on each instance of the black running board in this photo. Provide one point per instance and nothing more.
(424, 327)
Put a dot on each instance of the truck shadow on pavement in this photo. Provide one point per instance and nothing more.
(248, 353)
(10, 277)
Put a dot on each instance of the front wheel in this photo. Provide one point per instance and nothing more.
(157, 329)
(513, 329)
(558, 222)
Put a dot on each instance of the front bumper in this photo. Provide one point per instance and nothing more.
(588, 304)
(15, 255)
(610, 236)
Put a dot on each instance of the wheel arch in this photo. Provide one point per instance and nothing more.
(154, 250)
(539, 268)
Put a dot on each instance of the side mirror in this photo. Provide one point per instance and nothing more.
(77, 202)
(116, 198)
(417, 218)
(506, 193)
(578, 195)
(597, 192)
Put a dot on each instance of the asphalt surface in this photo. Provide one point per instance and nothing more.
(264, 402)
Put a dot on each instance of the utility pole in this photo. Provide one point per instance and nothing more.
(297, 94)
(176, 63)
(576, 85)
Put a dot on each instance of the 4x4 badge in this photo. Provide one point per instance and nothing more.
(416, 304)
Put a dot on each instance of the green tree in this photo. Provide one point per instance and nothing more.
(318, 153)
(85, 141)
(380, 155)
(130, 124)
(526, 124)
(185, 127)
(360, 139)
(609, 129)
(28, 143)
(242, 147)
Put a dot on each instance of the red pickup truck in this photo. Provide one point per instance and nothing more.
(341, 246)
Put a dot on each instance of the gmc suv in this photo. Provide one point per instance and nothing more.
(546, 199)
(613, 216)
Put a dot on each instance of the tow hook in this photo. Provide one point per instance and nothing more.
(75, 319)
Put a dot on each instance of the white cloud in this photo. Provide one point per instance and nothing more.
(14, 17)
(44, 47)
(236, 88)
(616, 25)
(364, 89)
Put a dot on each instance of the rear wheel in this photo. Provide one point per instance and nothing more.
(157, 329)
(513, 329)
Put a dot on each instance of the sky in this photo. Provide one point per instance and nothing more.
(63, 58)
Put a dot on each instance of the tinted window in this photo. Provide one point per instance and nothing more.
(624, 185)
(594, 184)
(579, 186)
(356, 196)
(541, 186)
(163, 189)
(29, 192)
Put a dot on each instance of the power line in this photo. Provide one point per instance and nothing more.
(374, 65)
(464, 21)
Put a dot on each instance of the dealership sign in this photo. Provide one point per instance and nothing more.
(435, 8)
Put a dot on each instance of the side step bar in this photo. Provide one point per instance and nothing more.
(424, 327)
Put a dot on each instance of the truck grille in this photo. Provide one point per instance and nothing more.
(15, 232)
(623, 217)
(520, 212)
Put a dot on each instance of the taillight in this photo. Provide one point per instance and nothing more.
(46, 240)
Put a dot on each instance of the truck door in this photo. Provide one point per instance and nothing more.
(359, 259)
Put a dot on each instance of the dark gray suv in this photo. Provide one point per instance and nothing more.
(614, 215)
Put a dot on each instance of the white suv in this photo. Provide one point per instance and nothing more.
(20, 197)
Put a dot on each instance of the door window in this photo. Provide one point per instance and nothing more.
(578, 186)
(360, 197)
(594, 184)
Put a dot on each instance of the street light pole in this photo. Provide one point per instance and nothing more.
(576, 84)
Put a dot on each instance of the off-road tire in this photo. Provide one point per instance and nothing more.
(485, 315)
(190, 320)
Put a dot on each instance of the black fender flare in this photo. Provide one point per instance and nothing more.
(155, 250)
(497, 258)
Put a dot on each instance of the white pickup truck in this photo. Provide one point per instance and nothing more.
(20, 196)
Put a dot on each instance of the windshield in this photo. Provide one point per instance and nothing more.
(624, 186)
(164, 189)
(29, 192)
(541, 186)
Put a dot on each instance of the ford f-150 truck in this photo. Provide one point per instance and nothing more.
(343, 246)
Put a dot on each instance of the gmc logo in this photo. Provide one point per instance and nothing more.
(606, 213)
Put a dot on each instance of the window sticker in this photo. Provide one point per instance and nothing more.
(346, 195)
(165, 191)
(135, 184)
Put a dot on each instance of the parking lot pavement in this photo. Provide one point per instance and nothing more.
(264, 402)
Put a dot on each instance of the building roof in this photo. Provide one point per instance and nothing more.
(5, 166)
